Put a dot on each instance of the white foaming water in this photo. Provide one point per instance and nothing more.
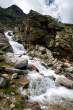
(42, 88)
(17, 47)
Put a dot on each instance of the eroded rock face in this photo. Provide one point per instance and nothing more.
(46, 31)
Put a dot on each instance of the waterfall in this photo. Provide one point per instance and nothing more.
(42, 88)
(17, 47)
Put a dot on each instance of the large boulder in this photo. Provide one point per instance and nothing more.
(65, 82)
(17, 61)
(46, 31)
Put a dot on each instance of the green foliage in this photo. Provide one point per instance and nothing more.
(8, 102)
(18, 104)
(8, 89)
(30, 49)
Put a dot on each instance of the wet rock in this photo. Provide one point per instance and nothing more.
(46, 66)
(52, 77)
(65, 82)
(9, 33)
(69, 75)
(16, 60)
(21, 64)
(70, 69)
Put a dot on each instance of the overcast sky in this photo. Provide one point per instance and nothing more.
(62, 8)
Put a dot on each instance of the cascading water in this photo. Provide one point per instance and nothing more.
(17, 47)
(42, 88)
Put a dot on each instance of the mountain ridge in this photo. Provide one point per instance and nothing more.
(11, 16)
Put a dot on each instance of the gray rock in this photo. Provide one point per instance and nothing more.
(16, 60)
(70, 69)
(21, 64)
(13, 70)
(65, 82)
(3, 82)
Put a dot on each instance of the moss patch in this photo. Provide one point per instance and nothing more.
(18, 104)
(8, 102)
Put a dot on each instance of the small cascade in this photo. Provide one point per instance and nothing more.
(17, 47)
(42, 88)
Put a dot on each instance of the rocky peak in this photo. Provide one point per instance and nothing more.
(11, 16)
(15, 10)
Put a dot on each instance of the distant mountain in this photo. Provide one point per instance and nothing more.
(11, 16)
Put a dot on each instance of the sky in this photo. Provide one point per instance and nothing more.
(62, 9)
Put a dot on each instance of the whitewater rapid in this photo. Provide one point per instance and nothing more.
(42, 88)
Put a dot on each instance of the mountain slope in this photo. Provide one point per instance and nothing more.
(11, 16)
(46, 31)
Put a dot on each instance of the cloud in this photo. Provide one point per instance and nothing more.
(57, 8)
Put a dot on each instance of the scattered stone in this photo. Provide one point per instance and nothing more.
(65, 82)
